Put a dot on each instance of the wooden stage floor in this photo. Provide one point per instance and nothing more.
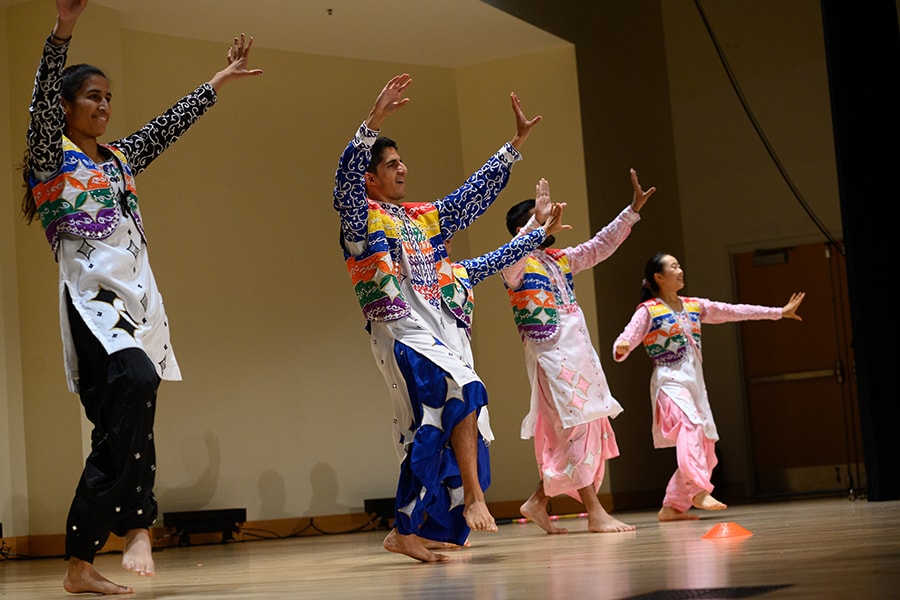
(811, 549)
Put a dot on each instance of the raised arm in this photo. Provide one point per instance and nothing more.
(349, 180)
(515, 250)
(606, 241)
(45, 128)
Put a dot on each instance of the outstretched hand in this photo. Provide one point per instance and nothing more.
(621, 348)
(523, 124)
(640, 196)
(237, 58)
(389, 101)
(789, 310)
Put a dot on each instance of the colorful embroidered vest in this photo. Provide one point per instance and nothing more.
(458, 294)
(666, 342)
(80, 200)
(375, 273)
(535, 302)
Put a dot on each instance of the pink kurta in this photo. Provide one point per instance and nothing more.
(683, 382)
(681, 413)
(571, 402)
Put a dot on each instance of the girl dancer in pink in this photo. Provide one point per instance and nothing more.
(668, 325)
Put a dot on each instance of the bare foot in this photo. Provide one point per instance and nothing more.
(536, 511)
(667, 513)
(705, 501)
(603, 522)
(81, 578)
(478, 517)
(137, 557)
(435, 545)
(411, 546)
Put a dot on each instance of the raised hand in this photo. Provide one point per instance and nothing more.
(236, 57)
(789, 310)
(640, 196)
(553, 223)
(542, 204)
(67, 13)
(389, 101)
(523, 124)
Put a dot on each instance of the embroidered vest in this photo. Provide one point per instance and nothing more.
(535, 302)
(80, 200)
(458, 294)
(666, 342)
(375, 273)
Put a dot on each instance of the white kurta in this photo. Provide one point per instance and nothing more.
(112, 287)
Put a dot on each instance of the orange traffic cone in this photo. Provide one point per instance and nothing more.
(728, 529)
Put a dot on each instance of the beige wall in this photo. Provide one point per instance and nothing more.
(282, 410)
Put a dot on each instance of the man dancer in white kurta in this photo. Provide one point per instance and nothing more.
(396, 258)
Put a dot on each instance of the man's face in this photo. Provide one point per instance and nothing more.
(388, 182)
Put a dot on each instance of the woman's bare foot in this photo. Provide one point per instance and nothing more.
(667, 513)
(603, 522)
(536, 511)
(705, 501)
(411, 546)
(137, 556)
(478, 517)
(81, 578)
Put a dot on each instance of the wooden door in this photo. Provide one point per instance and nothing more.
(799, 380)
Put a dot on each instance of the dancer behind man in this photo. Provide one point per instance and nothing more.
(668, 325)
(114, 326)
(459, 293)
(571, 404)
(396, 258)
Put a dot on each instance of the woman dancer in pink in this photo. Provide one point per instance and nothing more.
(668, 325)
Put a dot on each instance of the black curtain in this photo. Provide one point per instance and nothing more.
(862, 46)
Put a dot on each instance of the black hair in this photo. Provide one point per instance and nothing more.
(71, 80)
(378, 147)
(518, 215)
(649, 287)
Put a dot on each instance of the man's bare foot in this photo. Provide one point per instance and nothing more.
(137, 556)
(536, 511)
(435, 545)
(603, 522)
(705, 501)
(81, 578)
(478, 517)
(667, 513)
(411, 546)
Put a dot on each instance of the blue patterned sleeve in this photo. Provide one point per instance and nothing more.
(350, 185)
(45, 128)
(459, 209)
(151, 140)
(484, 266)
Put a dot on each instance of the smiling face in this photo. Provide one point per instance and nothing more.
(671, 278)
(388, 182)
(88, 112)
